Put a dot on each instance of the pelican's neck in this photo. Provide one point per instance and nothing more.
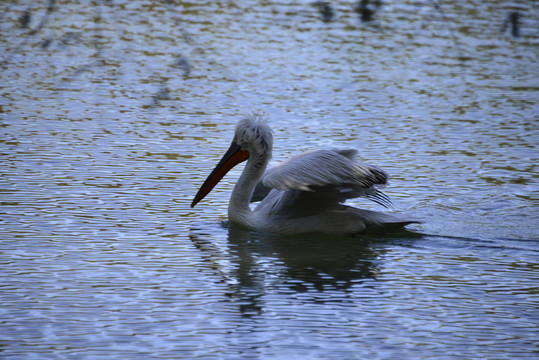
(239, 210)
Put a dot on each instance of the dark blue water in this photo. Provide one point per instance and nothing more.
(114, 113)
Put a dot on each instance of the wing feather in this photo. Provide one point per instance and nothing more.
(323, 168)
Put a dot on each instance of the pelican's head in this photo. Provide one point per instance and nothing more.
(254, 136)
(253, 139)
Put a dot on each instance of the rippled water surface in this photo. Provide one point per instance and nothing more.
(114, 112)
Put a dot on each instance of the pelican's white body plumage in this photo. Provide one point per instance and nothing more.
(304, 194)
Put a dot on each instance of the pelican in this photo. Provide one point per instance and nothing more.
(304, 194)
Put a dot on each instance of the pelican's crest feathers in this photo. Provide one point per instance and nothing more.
(254, 134)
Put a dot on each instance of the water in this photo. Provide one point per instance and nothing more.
(113, 113)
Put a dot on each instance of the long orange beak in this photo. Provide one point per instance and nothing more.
(232, 157)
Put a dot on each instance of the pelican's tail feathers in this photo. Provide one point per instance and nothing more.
(376, 221)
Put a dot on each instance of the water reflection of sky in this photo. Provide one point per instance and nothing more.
(113, 113)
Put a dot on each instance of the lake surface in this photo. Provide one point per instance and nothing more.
(114, 112)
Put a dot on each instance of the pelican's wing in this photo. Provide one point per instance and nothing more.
(332, 174)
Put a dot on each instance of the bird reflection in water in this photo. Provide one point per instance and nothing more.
(253, 264)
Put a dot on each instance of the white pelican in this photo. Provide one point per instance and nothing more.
(303, 194)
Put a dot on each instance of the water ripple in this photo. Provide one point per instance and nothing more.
(109, 126)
